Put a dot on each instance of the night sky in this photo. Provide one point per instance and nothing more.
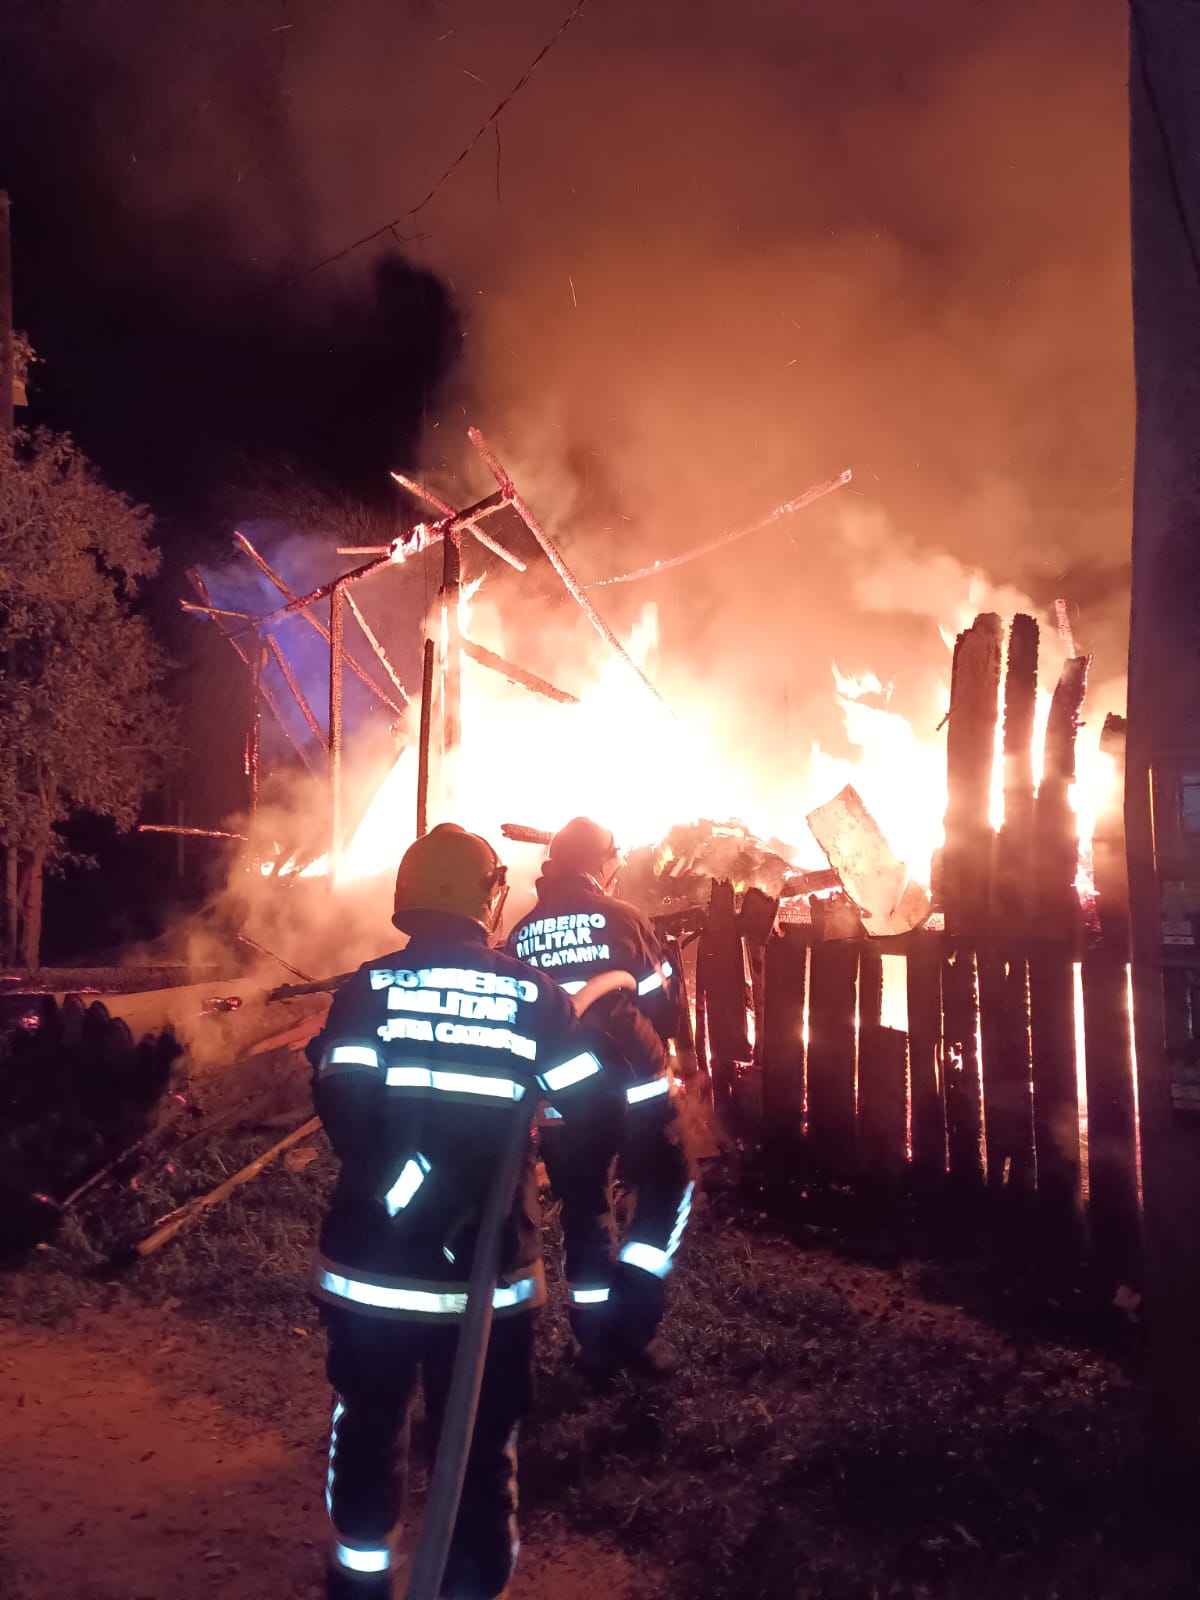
(712, 253)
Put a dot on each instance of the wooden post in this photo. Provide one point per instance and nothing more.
(1113, 1211)
(1109, 868)
(966, 862)
(724, 993)
(756, 922)
(1055, 1094)
(11, 859)
(1051, 969)
(960, 1067)
(1013, 889)
(336, 630)
(7, 365)
(870, 986)
(254, 734)
(882, 1064)
(1056, 837)
(785, 969)
(965, 884)
(928, 1136)
(424, 737)
(833, 985)
(1163, 709)
(685, 1040)
(882, 1088)
(450, 662)
(1007, 1101)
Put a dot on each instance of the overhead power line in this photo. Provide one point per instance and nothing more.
(393, 223)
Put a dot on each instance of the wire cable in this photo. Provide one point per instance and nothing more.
(393, 223)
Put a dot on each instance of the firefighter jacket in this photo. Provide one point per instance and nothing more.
(576, 932)
(425, 1053)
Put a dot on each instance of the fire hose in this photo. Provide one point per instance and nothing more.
(462, 1401)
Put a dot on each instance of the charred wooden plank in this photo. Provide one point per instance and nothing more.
(833, 993)
(1109, 867)
(1056, 837)
(1113, 1210)
(1007, 1095)
(785, 975)
(1055, 1095)
(874, 877)
(924, 980)
(882, 1103)
(1014, 884)
(966, 860)
(870, 987)
(960, 1067)
(724, 994)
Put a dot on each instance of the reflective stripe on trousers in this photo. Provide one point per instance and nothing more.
(419, 1300)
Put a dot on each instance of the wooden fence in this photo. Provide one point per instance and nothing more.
(1013, 998)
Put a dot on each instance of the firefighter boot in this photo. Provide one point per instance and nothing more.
(341, 1584)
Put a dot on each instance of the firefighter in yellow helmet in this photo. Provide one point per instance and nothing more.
(416, 1073)
(576, 931)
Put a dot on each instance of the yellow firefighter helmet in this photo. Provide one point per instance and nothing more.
(449, 869)
(584, 846)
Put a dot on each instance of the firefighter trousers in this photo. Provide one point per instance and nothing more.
(613, 1305)
(375, 1366)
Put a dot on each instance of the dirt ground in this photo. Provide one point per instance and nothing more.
(840, 1428)
(137, 1466)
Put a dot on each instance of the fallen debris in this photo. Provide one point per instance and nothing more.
(874, 877)
(179, 1220)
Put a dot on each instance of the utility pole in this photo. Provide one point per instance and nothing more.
(1162, 796)
(450, 650)
(7, 367)
(6, 428)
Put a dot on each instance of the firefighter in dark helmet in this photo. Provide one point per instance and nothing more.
(576, 931)
(424, 1055)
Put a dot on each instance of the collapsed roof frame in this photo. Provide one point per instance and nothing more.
(451, 646)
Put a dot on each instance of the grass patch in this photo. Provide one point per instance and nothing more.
(830, 1434)
(809, 1448)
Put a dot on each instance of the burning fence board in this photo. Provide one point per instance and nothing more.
(960, 1066)
(1013, 886)
(1004, 1033)
(785, 968)
(873, 877)
(928, 1113)
(970, 747)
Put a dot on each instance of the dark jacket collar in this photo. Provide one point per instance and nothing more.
(436, 926)
(567, 886)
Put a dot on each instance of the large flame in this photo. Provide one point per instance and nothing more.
(623, 755)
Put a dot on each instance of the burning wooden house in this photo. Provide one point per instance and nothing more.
(970, 1032)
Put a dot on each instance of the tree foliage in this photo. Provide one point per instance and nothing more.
(82, 720)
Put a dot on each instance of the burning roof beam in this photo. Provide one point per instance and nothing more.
(190, 833)
(306, 710)
(298, 605)
(817, 492)
(369, 636)
(217, 611)
(517, 675)
(464, 519)
(520, 834)
(269, 699)
(509, 490)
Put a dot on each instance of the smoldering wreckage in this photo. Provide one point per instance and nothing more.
(887, 1030)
